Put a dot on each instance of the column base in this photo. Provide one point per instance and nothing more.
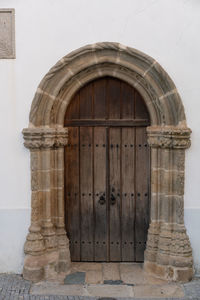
(63, 246)
(169, 273)
(46, 266)
(168, 254)
(64, 263)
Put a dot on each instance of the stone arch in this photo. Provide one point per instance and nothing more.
(168, 253)
(101, 59)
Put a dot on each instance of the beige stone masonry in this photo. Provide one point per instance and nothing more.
(47, 231)
(7, 33)
(168, 253)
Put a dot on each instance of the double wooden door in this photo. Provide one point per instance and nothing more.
(107, 173)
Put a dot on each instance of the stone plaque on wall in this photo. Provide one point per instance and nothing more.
(7, 33)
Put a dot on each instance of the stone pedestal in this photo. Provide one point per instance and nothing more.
(168, 254)
(46, 246)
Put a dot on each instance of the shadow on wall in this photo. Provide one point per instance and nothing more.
(13, 231)
(192, 223)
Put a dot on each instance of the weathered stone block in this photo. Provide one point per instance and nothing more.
(59, 158)
(184, 275)
(7, 33)
(45, 159)
(35, 181)
(179, 160)
(154, 206)
(35, 160)
(161, 79)
(34, 275)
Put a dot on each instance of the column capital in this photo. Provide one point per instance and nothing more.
(169, 137)
(42, 138)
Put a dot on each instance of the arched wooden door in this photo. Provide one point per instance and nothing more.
(107, 173)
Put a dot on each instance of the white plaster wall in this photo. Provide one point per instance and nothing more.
(167, 30)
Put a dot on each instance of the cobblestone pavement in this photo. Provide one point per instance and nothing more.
(14, 287)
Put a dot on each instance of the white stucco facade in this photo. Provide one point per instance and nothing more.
(49, 29)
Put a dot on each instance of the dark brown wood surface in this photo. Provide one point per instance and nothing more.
(142, 193)
(107, 173)
(128, 193)
(72, 192)
(114, 194)
(100, 212)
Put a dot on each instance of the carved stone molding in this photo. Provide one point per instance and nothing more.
(169, 137)
(35, 138)
(107, 59)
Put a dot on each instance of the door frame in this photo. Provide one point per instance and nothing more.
(168, 253)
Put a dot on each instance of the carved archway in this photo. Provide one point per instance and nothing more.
(168, 253)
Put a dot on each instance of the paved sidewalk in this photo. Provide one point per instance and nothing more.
(14, 287)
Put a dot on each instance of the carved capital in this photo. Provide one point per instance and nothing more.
(41, 138)
(61, 138)
(169, 137)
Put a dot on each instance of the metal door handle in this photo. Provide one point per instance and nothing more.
(102, 200)
(113, 199)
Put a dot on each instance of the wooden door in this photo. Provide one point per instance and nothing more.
(107, 173)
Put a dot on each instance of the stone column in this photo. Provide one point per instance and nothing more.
(42, 247)
(63, 242)
(168, 253)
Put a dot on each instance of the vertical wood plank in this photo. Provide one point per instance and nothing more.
(86, 193)
(73, 109)
(141, 111)
(72, 208)
(100, 227)
(128, 193)
(114, 192)
(142, 192)
(100, 99)
(86, 102)
(127, 105)
(113, 97)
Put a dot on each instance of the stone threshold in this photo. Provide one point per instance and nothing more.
(109, 291)
(108, 280)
